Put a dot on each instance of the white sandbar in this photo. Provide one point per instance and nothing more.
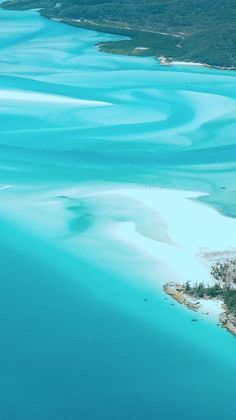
(24, 96)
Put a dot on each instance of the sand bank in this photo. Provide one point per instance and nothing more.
(192, 229)
(157, 225)
(24, 96)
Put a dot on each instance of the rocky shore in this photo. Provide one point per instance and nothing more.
(228, 320)
(218, 300)
(177, 292)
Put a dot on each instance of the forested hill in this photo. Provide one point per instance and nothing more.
(191, 30)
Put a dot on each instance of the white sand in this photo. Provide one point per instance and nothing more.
(5, 187)
(141, 48)
(24, 96)
(181, 235)
(192, 228)
(211, 307)
(187, 63)
(160, 225)
(160, 235)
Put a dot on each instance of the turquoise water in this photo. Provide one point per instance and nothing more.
(78, 341)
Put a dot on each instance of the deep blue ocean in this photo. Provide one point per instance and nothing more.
(82, 338)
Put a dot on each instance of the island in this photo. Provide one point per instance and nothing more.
(173, 30)
(222, 293)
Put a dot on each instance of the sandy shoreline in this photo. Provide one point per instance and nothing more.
(164, 61)
(162, 227)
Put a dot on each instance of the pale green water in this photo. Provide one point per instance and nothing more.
(77, 339)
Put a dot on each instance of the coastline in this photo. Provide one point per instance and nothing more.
(164, 61)
(211, 307)
(145, 47)
(124, 31)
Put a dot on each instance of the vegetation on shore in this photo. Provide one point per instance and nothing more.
(187, 30)
(224, 288)
(227, 295)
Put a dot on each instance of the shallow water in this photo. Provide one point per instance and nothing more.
(78, 339)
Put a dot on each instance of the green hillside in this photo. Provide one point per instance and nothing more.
(194, 30)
